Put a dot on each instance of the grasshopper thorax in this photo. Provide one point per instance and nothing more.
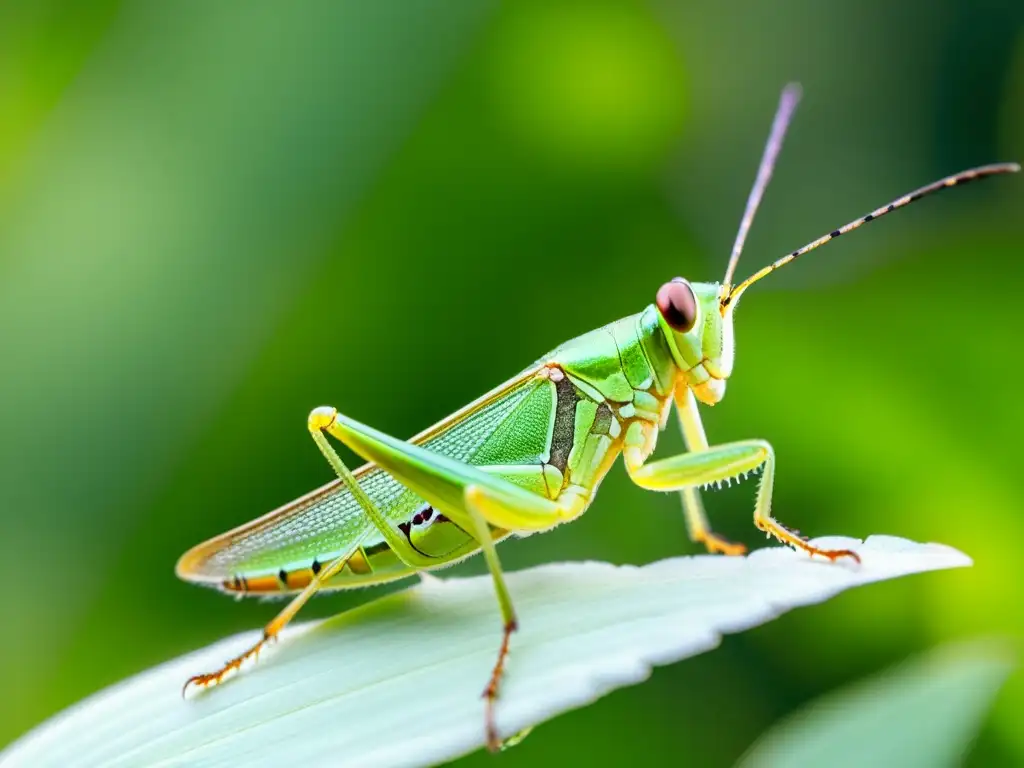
(697, 325)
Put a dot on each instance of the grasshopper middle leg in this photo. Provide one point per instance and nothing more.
(693, 509)
(712, 464)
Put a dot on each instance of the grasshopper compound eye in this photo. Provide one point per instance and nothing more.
(677, 304)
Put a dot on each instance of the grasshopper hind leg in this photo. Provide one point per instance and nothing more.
(475, 499)
(490, 694)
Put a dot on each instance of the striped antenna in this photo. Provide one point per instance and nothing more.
(950, 181)
(787, 103)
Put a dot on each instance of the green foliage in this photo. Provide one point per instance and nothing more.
(922, 714)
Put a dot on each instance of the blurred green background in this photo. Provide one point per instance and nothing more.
(214, 217)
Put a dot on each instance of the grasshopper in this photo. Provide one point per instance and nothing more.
(528, 455)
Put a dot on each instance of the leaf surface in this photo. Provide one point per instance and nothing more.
(398, 681)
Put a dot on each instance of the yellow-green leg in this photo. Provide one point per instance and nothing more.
(714, 464)
(693, 509)
(472, 498)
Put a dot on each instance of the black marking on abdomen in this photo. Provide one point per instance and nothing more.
(418, 519)
(564, 431)
(424, 515)
(237, 583)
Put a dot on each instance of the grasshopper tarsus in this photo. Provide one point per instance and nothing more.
(204, 681)
(835, 554)
(719, 545)
(796, 540)
(832, 555)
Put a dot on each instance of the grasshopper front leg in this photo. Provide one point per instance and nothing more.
(713, 464)
(693, 509)
(469, 496)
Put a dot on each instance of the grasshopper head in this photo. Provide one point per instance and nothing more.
(697, 317)
(697, 323)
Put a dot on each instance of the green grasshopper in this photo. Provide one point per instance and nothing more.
(526, 456)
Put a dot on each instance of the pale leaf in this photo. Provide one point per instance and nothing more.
(398, 681)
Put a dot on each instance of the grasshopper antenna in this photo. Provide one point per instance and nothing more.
(787, 103)
(949, 181)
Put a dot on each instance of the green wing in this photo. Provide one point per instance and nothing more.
(509, 425)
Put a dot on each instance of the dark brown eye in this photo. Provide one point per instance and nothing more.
(677, 305)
